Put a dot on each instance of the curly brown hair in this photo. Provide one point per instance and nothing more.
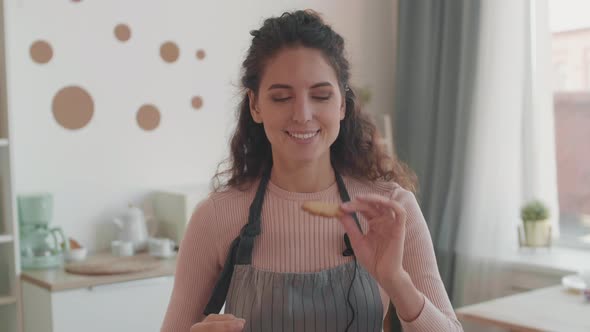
(355, 152)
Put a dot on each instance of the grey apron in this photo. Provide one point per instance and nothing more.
(273, 301)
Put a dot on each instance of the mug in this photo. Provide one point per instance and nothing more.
(161, 247)
(122, 248)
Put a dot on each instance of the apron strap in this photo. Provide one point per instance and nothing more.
(240, 251)
(252, 228)
(221, 288)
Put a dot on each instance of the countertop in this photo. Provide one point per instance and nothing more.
(545, 309)
(57, 279)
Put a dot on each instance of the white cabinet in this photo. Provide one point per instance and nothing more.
(137, 305)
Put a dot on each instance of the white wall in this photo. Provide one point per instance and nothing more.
(95, 171)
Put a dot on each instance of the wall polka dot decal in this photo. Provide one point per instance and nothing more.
(169, 51)
(200, 54)
(72, 107)
(122, 32)
(148, 117)
(41, 51)
(197, 102)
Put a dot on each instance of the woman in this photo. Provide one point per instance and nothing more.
(302, 137)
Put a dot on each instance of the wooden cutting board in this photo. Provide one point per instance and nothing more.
(109, 265)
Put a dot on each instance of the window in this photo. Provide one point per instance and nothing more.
(570, 47)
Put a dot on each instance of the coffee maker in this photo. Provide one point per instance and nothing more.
(41, 245)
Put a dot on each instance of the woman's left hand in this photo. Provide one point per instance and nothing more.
(381, 250)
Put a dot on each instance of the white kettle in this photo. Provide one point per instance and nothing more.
(133, 228)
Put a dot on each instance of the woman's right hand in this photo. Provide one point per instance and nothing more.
(219, 323)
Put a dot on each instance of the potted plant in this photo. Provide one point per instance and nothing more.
(537, 229)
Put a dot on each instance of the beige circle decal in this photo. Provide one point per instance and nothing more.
(201, 54)
(197, 102)
(41, 51)
(72, 107)
(122, 32)
(148, 117)
(169, 52)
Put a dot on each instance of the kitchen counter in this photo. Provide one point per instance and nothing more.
(57, 279)
(55, 300)
(546, 309)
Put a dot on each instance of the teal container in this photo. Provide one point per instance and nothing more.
(35, 208)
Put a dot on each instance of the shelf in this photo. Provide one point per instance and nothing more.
(4, 238)
(4, 299)
(3, 142)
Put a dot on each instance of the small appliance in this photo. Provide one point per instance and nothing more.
(41, 245)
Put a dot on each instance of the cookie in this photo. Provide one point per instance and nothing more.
(324, 209)
(74, 244)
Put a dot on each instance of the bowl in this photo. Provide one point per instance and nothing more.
(76, 255)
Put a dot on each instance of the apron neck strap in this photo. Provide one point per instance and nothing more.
(252, 229)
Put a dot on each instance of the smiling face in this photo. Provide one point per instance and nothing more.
(300, 105)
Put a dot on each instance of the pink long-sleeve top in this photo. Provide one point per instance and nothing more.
(292, 240)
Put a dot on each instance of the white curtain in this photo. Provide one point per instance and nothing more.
(511, 149)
